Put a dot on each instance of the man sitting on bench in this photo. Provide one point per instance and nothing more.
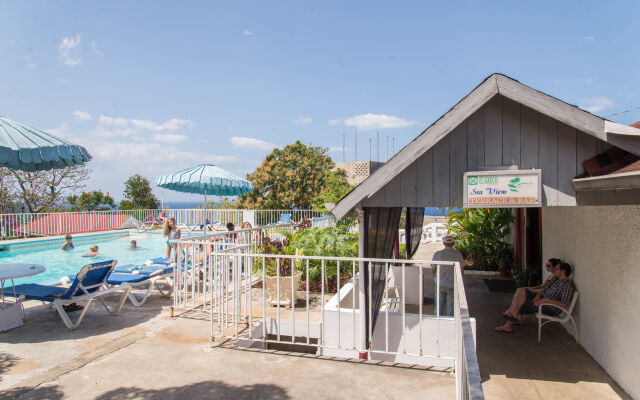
(558, 292)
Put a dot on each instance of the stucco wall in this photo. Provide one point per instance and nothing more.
(602, 243)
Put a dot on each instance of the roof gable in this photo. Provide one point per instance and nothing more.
(496, 84)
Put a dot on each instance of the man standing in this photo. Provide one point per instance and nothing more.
(449, 253)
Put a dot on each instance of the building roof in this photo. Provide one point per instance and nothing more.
(622, 136)
(636, 124)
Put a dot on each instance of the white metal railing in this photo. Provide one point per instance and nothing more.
(433, 232)
(468, 380)
(60, 223)
(197, 253)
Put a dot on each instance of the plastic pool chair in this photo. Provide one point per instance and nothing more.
(285, 219)
(89, 284)
(145, 276)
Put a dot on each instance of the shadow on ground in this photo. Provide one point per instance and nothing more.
(558, 358)
(40, 393)
(43, 324)
(201, 390)
(6, 362)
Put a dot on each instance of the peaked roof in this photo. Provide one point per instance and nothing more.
(622, 136)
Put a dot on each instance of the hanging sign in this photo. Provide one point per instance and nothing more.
(503, 189)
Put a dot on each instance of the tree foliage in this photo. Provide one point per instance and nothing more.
(482, 233)
(289, 178)
(138, 194)
(91, 201)
(336, 187)
(39, 191)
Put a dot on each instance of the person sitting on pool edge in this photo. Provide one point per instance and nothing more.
(68, 244)
(93, 251)
(558, 292)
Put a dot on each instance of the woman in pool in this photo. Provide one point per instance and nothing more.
(93, 251)
(172, 233)
(68, 244)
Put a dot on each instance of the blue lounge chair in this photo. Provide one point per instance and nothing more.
(285, 219)
(88, 284)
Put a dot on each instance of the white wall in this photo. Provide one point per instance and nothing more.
(602, 244)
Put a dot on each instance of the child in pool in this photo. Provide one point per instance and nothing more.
(134, 245)
(68, 244)
(93, 251)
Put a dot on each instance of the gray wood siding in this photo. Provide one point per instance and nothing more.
(502, 132)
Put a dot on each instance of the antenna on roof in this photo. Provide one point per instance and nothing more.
(356, 144)
(387, 148)
(343, 148)
(393, 148)
(369, 149)
(377, 146)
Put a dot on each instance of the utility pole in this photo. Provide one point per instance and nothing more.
(393, 148)
(356, 144)
(387, 148)
(377, 146)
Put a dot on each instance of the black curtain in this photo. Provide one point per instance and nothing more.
(381, 228)
(413, 229)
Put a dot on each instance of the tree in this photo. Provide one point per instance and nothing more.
(226, 203)
(138, 194)
(288, 178)
(42, 191)
(91, 201)
(336, 188)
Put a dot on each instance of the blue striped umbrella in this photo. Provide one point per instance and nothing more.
(205, 179)
(29, 149)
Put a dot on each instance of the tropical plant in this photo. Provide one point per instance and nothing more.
(527, 277)
(481, 233)
(289, 178)
(91, 201)
(138, 194)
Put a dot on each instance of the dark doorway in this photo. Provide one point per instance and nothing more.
(528, 240)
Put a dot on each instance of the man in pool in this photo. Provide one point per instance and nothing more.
(68, 244)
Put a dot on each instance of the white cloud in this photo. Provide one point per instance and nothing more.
(32, 65)
(596, 104)
(62, 80)
(168, 126)
(119, 126)
(251, 143)
(82, 116)
(61, 131)
(301, 120)
(94, 49)
(588, 80)
(69, 50)
(369, 122)
(247, 33)
(111, 121)
(588, 38)
(169, 138)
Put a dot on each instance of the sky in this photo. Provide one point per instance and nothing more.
(151, 87)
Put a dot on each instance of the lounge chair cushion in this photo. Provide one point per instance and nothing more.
(34, 291)
(119, 279)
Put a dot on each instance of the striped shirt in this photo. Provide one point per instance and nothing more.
(560, 290)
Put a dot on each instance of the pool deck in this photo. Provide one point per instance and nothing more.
(144, 353)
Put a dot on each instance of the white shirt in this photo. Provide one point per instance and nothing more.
(446, 271)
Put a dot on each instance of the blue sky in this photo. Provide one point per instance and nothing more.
(151, 86)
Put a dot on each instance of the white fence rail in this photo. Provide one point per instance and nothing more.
(46, 224)
(433, 232)
(317, 303)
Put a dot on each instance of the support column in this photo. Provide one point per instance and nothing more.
(362, 338)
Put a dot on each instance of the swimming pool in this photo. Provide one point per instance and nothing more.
(59, 263)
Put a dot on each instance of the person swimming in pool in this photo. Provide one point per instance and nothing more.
(93, 251)
(68, 244)
(134, 245)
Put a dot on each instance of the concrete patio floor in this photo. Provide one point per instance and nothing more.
(516, 366)
(145, 354)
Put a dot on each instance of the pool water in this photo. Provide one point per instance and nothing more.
(60, 263)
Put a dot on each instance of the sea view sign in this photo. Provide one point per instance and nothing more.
(505, 189)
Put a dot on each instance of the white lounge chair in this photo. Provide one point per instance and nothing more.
(567, 312)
